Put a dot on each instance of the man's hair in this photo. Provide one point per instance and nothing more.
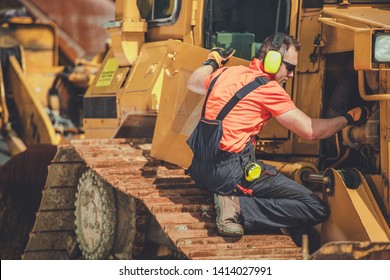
(288, 41)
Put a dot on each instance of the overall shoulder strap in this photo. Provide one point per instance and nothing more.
(208, 93)
(240, 94)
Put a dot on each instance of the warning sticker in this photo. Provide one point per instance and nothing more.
(108, 73)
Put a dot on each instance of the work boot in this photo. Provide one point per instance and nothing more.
(228, 214)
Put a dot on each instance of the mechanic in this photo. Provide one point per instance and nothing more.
(249, 194)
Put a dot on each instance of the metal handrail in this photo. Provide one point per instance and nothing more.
(333, 22)
(369, 97)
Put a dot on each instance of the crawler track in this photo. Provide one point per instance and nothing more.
(162, 191)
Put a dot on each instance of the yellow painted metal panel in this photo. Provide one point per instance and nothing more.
(37, 125)
(100, 128)
(40, 42)
(3, 105)
(40, 81)
(362, 16)
(142, 89)
(354, 215)
(179, 107)
(362, 51)
(110, 77)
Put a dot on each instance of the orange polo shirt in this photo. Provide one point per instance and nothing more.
(247, 118)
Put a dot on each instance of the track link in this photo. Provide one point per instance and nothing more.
(185, 213)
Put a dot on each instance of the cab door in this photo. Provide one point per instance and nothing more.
(180, 108)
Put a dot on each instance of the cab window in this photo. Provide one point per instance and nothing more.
(158, 11)
(244, 24)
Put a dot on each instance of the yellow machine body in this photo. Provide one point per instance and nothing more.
(140, 91)
(153, 80)
(40, 99)
(30, 78)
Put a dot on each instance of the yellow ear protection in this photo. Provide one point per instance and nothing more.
(252, 171)
(274, 58)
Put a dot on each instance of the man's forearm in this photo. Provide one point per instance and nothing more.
(325, 128)
(196, 80)
(310, 128)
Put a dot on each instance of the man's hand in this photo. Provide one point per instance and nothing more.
(219, 57)
(357, 116)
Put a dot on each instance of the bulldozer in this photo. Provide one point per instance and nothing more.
(41, 92)
(123, 192)
(40, 105)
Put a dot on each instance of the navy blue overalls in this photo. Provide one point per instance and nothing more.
(271, 201)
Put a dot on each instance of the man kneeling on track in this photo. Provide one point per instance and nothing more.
(249, 194)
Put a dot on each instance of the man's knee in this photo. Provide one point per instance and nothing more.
(320, 209)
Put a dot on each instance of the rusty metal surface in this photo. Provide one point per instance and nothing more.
(80, 23)
(185, 213)
(162, 191)
(353, 251)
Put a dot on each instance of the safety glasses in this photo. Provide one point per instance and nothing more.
(289, 67)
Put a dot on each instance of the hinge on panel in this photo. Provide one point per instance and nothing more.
(318, 43)
(194, 10)
(343, 4)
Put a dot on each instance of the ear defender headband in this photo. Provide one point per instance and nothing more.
(274, 58)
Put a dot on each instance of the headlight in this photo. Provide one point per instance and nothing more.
(382, 47)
